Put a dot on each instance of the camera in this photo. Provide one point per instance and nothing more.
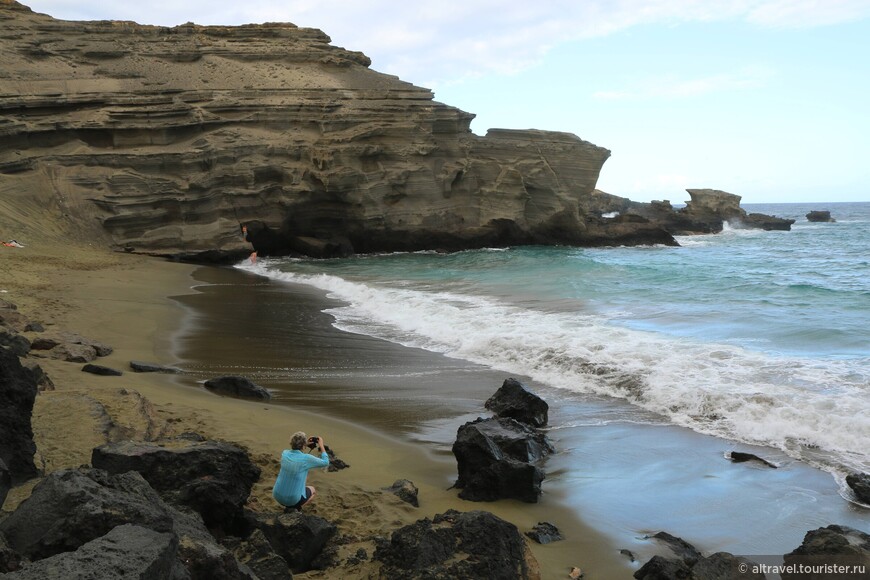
(312, 442)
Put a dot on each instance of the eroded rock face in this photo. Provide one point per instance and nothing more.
(170, 138)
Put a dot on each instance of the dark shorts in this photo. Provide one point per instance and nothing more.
(298, 505)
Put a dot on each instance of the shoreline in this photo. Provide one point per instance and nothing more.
(126, 302)
(623, 479)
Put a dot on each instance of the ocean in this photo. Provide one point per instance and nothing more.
(750, 339)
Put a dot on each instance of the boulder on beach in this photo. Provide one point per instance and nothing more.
(475, 544)
(69, 341)
(101, 370)
(497, 458)
(405, 491)
(212, 478)
(513, 399)
(146, 367)
(17, 394)
(544, 533)
(234, 386)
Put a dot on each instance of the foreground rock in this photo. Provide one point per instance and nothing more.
(214, 479)
(241, 387)
(498, 458)
(860, 485)
(298, 538)
(127, 551)
(473, 544)
(685, 562)
(72, 507)
(17, 394)
(829, 546)
(517, 402)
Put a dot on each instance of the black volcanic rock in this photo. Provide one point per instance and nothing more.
(240, 387)
(127, 551)
(72, 507)
(831, 545)
(498, 458)
(514, 400)
(17, 394)
(101, 370)
(473, 544)
(860, 485)
(212, 478)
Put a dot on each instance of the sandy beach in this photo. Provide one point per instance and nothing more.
(135, 304)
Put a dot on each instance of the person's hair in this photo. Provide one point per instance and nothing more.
(298, 440)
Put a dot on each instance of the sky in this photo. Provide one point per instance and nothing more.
(767, 99)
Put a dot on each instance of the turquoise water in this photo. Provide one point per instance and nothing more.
(752, 336)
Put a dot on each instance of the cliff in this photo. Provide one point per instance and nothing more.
(164, 140)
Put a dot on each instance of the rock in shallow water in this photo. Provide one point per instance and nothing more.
(496, 458)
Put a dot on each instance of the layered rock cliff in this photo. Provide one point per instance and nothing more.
(165, 140)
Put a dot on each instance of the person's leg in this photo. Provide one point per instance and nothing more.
(310, 492)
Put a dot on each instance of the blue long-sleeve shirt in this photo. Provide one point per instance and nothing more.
(290, 485)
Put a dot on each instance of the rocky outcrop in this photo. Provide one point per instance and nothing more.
(170, 138)
(212, 478)
(499, 458)
(17, 394)
(705, 213)
(240, 387)
(817, 215)
(473, 544)
(514, 400)
(831, 546)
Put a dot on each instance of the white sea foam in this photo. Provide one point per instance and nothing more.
(815, 411)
